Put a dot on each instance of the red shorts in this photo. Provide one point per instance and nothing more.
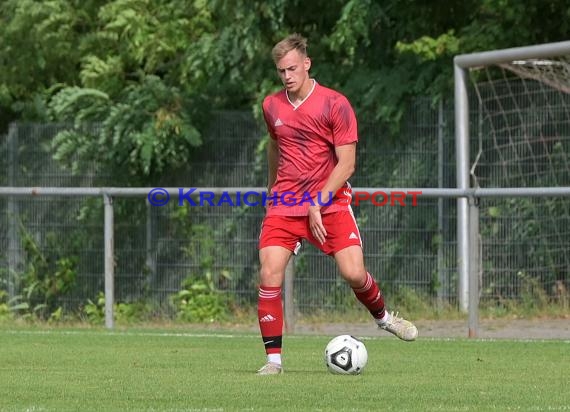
(288, 231)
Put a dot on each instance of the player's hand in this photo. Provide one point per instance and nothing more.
(316, 224)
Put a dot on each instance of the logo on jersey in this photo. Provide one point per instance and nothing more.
(278, 122)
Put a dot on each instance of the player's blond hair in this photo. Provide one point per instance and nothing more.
(292, 42)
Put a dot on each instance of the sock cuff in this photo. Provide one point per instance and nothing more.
(269, 292)
(367, 285)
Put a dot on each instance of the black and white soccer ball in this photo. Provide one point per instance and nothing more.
(346, 355)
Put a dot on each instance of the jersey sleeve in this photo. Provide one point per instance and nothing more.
(266, 117)
(344, 125)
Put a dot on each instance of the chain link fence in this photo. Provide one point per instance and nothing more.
(411, 250)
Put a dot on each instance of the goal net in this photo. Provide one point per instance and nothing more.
(520, 137)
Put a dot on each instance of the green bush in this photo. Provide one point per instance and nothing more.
(42, 284)
(200, 301)
(5, 312)
(94, 312)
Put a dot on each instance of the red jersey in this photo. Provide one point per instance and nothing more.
(306, 136)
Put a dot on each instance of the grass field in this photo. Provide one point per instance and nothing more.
(159, 370)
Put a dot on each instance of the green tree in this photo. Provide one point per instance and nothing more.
(38, 49)
(150, 71)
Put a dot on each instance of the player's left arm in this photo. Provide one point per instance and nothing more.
(346, 155)
(344, 169)
(344, 138)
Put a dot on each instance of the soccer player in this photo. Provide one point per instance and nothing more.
(311, 155)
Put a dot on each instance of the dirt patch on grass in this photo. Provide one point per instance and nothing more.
(488, 329)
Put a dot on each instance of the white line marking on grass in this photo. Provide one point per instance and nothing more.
(257, 336)
(127, 333)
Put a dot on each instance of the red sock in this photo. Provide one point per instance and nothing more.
(371, 297)
(270, 317)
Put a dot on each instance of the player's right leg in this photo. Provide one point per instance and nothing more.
(279, 239)
(273, 260)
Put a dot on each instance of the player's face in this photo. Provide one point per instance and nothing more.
(293, 70)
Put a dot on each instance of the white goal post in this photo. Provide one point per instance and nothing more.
(545, 64)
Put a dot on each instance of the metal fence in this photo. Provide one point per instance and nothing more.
(156, 248)
(411, 250)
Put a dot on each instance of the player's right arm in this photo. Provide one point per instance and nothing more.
(272, 147)
(272, 162)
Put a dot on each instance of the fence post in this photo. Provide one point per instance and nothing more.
(288, 300)
(109, 262)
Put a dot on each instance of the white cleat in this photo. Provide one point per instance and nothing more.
(400, 327)
(270, 368)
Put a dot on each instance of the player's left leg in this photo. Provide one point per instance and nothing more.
(344, 243)
(350, 262)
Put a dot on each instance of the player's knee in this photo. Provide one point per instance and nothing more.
(355, 278)
(270, 277)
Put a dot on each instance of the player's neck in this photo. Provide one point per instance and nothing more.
(298, 98)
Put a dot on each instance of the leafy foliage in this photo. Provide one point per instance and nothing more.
(4, 308)
(125, 313)
(46, 278)
(141, 134)
(199, 300)
(154, 69)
